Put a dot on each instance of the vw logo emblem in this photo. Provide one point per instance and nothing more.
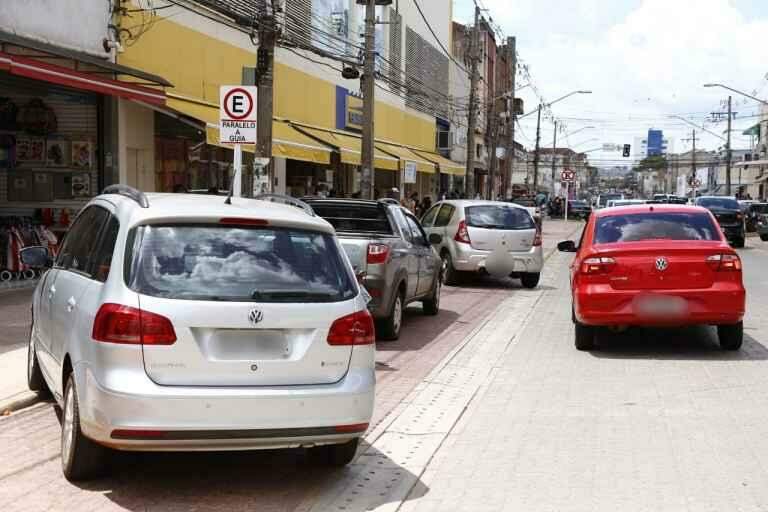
(255, 316)
(661, 264)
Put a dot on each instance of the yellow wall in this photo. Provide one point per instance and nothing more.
(197, 65)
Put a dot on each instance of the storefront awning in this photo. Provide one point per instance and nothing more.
(446, 166)
(349, 147)
(29, 58)
(406, 155)
(287, 142)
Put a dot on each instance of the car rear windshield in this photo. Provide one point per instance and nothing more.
(638, 227)
(355, 218)
(608, 197)
(498, 217)
(719, 202)
(233, 263)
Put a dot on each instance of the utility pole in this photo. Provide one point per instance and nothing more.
(368, 86)
(536, 153)
(554, 154)
(728, 154)
(474, 43)
(492, 132)
(265, 60)
(510, 147)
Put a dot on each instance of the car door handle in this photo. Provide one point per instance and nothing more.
(71, 303)
(51, 292)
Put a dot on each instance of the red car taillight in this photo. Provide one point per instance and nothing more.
(537, 239)
(377, 253)
(462, 235)
(597, 265)
(354, 329)
(724, 262)
(116, 323)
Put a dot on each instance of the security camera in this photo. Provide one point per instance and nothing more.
(110, 45)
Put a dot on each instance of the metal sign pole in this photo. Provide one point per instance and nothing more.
(237, 175)
(567, 194)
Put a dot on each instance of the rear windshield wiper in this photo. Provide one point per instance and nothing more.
(291, 294)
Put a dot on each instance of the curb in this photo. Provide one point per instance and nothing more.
(18, 401)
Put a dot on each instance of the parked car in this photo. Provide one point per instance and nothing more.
(579, 208)
(391, 252)
(529, 203)
(473, 231)
(753, 213)
(178, 322)
(759, 213)
(728, 214)
(651, 266)
(602, 199)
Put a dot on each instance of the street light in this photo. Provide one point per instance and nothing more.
(553, 102)
(738, 92)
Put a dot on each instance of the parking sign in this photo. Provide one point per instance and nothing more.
(237, 114)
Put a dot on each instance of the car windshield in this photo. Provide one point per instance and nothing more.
(718, 202)
(498, 217)
(351, 217)
(231, 263)
(638, 227)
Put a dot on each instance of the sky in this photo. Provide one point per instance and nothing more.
(644, 60)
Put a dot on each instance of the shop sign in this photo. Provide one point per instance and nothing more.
(409, 173)
(237, 114)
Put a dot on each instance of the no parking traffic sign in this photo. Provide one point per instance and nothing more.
(237, 114)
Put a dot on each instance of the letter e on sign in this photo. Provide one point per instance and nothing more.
(237, 114)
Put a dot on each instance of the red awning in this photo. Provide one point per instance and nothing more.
(32, 68)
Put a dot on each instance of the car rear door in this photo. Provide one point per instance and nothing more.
(427, 262)
(249, 306)
(406, 253)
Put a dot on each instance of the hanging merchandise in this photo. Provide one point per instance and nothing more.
(17, 233)
(8, 113)
(37, 118)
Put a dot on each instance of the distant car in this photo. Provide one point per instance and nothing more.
(759, 216)
(579, 208)
(602, 199)
(477, 232)
(655, 266)
(751, 209)
(173, 322)
(530, 203)
(729, 215)
(390, 252)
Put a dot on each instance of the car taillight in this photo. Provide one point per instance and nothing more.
(116, 323)
(377, 253)
(537, 239)
(462, 235)
(597, 265)
(354, 329)
(724, 262)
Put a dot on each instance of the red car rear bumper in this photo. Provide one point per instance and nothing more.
(601, 305)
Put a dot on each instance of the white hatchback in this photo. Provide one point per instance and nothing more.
(180, 322)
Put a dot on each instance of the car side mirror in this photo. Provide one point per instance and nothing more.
(435, 238)
(567, 246)
(36, 256)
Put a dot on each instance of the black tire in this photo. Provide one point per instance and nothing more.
(764, 238)
(585, 337)
(450, 274)
(731, 336)
(431, 305)
(738, 243)
(530, 280)
(337, 455)
(389, 327)
(35, 379)
(82, 459)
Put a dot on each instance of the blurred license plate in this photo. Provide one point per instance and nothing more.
(661, 306)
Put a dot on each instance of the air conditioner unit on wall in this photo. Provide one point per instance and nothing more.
(445, 139)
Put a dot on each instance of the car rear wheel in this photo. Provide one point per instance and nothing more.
(431, 305)
(530, 280)
(731, 336)
(449, 273)
(585, 337)
(389, 327)
(764, 238)
(335, 454)
(35, 380)
(81, 458)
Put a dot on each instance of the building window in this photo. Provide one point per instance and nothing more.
(478, 150)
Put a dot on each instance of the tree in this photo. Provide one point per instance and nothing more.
(652, 163)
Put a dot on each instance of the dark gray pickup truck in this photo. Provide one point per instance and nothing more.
(390, 252)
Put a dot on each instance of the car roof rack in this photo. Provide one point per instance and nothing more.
(129, 192)
(291, 201)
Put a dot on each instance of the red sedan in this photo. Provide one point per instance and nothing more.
(655, 266)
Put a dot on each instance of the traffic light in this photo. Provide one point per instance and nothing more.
(627, 147)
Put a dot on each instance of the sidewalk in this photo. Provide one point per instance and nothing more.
(14, 394)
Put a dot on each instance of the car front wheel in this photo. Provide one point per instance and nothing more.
(81, 458)
(731, 336)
